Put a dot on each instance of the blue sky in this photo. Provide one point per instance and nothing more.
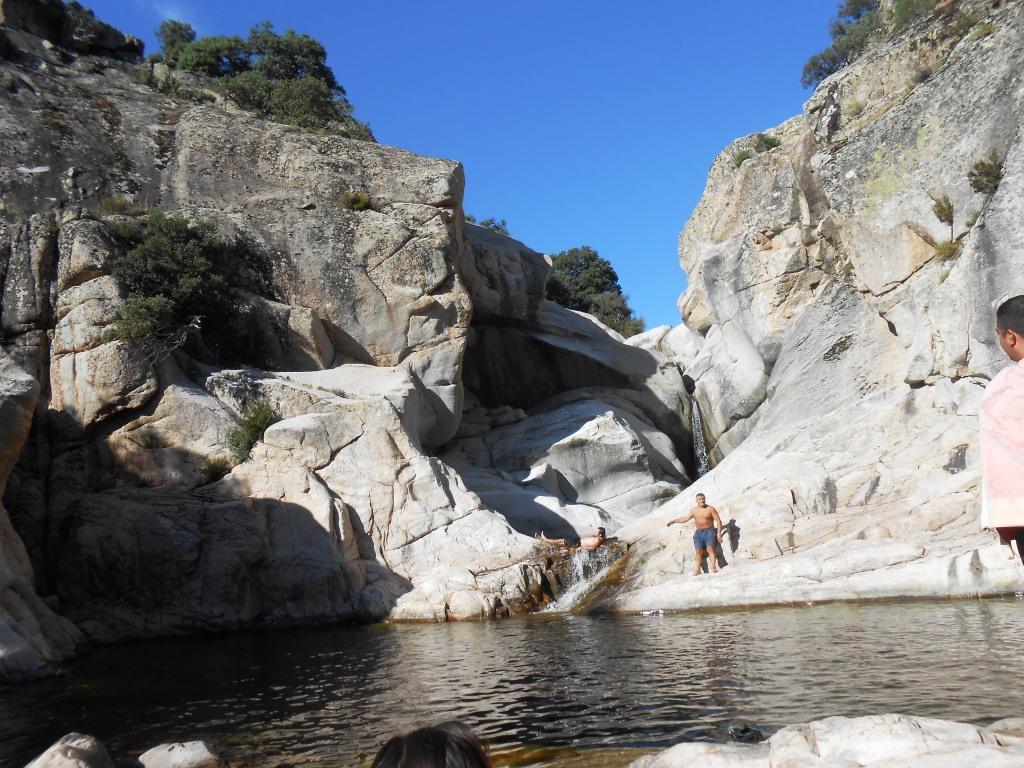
(579, 121)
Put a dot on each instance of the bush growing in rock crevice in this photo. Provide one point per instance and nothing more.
(355, 200)
(985, 175)
(258, 416)
(177, 275)
(739, 158)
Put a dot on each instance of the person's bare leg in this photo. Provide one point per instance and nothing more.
(697, 559)
(713, 559)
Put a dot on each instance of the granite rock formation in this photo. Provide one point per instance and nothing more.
(838, 359)
(381, 330)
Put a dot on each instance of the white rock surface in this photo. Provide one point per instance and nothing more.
(838, 366)
(75, 750)
(864, 742)
(189, 754)
(586, 452)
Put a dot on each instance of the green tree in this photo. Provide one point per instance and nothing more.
(281, 76)
(857, 24)
(215, 57)
(174, 36)
(306, 102)
(580, 279)
(290, 56)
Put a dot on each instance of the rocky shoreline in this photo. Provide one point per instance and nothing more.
(834, 742)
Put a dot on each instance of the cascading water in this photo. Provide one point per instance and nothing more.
(700, 450)
(582, 573)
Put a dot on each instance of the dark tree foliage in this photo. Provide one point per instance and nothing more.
(580, 279)
(856, 24)
(176, 274)
(174, 36)
(215, 57)
(985, 175)
(281, 76)
(290, 56)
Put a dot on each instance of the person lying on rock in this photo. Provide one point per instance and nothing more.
(709, 532)
(1002, 434)
(586, 543)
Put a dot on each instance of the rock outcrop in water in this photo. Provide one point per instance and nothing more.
(860, 742)
(838, 359)
(435, 410)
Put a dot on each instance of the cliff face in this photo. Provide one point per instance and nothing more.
(839, 360)
(399, 347)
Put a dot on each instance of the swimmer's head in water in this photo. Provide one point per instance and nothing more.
(1010, 327)
(448, 745)
(600, 532)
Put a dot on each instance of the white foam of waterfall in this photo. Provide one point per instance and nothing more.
(587, 572)
(699, 448)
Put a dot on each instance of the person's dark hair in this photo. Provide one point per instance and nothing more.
(448, 745)
(1010, 315)
(700, 496)
(601, 531)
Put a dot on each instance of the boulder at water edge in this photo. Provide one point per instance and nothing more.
(860, 742)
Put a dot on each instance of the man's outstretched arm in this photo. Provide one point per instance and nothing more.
(679, 520)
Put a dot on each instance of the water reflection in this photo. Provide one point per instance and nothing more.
(331, 696)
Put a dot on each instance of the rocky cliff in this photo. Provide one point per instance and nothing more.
(433, 410)
(839, 348)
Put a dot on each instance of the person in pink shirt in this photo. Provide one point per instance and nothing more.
(1002, 433)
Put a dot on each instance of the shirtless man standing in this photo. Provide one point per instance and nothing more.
(709, 531)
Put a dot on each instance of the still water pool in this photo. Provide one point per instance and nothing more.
(545, 690)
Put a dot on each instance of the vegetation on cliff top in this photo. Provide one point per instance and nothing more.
(495, 225)
(580, 279)
(859, 25)
(283, 77)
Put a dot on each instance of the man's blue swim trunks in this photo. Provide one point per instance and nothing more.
(705, 538)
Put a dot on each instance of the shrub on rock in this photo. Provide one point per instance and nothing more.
(250, 429)
(986, 174)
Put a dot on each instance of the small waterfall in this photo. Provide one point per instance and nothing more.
(582, 576)
(699, 448)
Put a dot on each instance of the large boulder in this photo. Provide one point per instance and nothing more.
(33, 640)
(864, 742)
(506, 279)
(587, 456)
(75, 750)
(380, 273)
